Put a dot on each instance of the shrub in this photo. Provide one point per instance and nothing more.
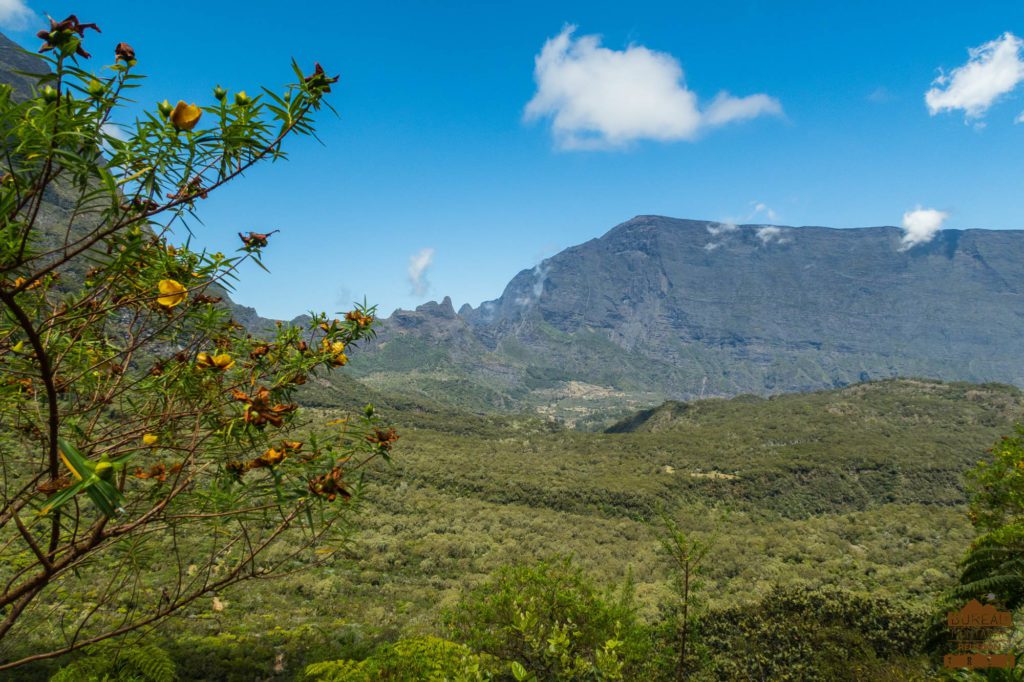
(551, 619)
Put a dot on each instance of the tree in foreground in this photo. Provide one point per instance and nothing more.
(151, 451)
(686, 556)
(995, 563)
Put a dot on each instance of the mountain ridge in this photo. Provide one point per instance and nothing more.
(657, 304)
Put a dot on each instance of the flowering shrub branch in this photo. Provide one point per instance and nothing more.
(152, 450)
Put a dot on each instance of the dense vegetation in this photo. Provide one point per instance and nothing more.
(472, 501)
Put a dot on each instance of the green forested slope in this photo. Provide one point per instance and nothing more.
(859, 488)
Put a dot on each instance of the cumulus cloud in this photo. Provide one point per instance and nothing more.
(992, 70)
(419, 262)
(15, 15)
(920, 226)
(599, 98)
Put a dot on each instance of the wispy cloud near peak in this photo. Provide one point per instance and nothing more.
(920, 226)
(419, 263)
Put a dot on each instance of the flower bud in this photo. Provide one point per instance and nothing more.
(96, 89)
(165, 108)
(220, 93)
(49, 94)
(242, 99)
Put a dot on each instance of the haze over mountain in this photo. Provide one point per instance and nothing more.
(661, 307)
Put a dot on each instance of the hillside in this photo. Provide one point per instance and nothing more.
(665, 308)
(859, 488)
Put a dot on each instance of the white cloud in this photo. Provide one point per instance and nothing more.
(767, 234)
(15, 14)
(880, 95)
(992, 70)
(113, 129)
(540, 276)
(711, 246)
(920, 226)
(725, 108)
(715, 229)
(1020, 118)
(762, 208)
(419, 262)
(599, 98)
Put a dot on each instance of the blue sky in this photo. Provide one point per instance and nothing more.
(434, 160)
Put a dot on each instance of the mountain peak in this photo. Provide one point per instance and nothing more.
(443, 309)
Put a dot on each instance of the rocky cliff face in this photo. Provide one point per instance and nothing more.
(13, 62)
(679, 307)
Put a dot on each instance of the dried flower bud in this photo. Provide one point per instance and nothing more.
(125, 53)
(318, 81)
(66, 37)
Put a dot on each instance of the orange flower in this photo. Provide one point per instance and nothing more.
(383, 439)
(185, 116)
(259, 411)
(259, 351)
(330, 485)
(171, 293)
(270, 458)
(361, 320)
(157, 472)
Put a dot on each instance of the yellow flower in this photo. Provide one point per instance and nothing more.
(185, 116)
(171, 293)
(150, 439)
(222, 361)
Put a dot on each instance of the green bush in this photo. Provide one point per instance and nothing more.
(824, 634)
(550, 618)
(425, 658)
(277, 653)
(111, 663)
